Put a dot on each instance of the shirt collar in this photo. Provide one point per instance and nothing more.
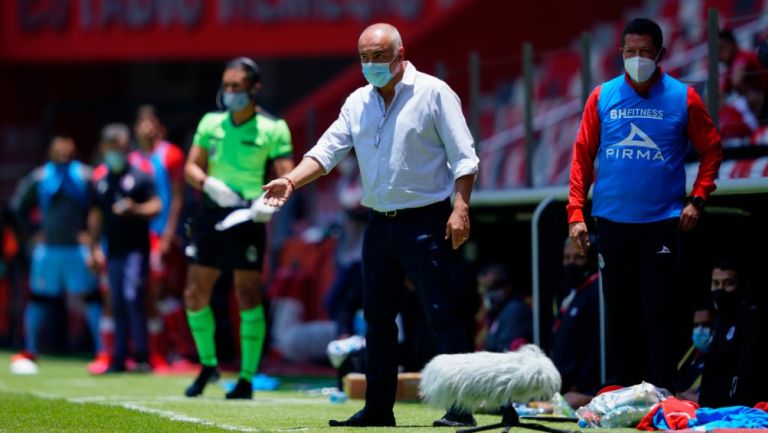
(409, 76)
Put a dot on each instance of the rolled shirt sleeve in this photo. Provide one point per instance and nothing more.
(453, 131)
(335, 143)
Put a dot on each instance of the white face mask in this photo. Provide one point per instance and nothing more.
(639, 68)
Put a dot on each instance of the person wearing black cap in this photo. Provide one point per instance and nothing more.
(228, 162)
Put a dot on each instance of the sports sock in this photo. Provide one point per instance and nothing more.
(157, 343)
(252, 331)
(93, 319)
(107, 332)
(203, 327)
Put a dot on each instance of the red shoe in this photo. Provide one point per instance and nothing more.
(158, 362)
(23, 355)
(100, 364)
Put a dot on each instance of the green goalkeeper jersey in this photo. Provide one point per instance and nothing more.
(238, 154)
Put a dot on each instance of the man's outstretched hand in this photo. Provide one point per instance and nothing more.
(277, 192)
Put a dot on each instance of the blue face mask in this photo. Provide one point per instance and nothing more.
(378, 74)
(702, 338)
(235, 101)
(115, 161)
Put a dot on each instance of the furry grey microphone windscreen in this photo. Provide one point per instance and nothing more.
(468, 381)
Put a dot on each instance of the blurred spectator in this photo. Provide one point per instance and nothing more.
(743, 72)
(345, 297)
(300, 329)
(735, 372)
(737, 122)
(575, 333)
(167, 265)
(9, 254)
(509, 317)
(692, 365)
(125, 203)
(61, 190)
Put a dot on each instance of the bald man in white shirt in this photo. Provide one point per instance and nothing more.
(414, 150)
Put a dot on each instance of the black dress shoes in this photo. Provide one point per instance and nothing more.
(365, 418)
(455, 419)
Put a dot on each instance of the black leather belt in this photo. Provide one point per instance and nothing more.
(413, 210)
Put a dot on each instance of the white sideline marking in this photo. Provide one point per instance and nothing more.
(178, 399)
(173, 416)
(167, 414)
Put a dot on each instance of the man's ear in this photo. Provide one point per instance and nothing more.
(662, 53)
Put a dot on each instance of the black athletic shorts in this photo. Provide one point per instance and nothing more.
(240, 247)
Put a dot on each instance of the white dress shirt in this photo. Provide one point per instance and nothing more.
(409, 155)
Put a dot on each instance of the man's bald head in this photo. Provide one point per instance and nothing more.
(380, 47)
(381, 34)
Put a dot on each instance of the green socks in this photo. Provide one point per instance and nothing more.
(203, 326)
(252, 332)
(253, 329)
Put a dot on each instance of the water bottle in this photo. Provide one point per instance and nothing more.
(624, 416)
(338, 397)
(560, 406)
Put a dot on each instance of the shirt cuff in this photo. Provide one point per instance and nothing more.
(575, 215)
(325, 161)
(700, 191)
(465, 169)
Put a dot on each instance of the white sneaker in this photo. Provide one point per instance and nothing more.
(23, 365)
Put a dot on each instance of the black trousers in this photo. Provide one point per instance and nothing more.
(412, 244)
(647, 318)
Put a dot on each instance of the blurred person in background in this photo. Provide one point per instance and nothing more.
(735, 370)
(576, 330)
(228, 161)
(637, 128)
(744, 74)
(166, 260)
(692, 365)
(345, 297)
(414, 151)
(62, 191)
(509, 317)
(125, 202)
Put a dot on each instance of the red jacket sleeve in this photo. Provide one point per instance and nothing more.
(584, 151)
(706, 141)
(175, 163)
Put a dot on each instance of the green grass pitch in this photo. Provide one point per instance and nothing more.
(64, 398)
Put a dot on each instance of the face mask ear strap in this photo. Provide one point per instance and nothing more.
(659, 55)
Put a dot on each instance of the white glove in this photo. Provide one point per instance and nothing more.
(261, 212)
(258, 212)
(219, 192)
